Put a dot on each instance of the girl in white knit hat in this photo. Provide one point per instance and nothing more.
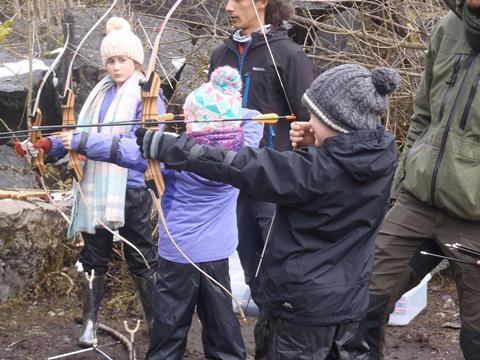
(113, 194)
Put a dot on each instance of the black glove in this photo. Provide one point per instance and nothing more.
(159, 146)
(150, 142)
(140, 134)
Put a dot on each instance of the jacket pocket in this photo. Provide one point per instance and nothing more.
(451, 83)
(468, 106)
(420, 161)
(458, 181)
(263, 90)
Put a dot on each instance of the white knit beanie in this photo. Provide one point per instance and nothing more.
(121, 41)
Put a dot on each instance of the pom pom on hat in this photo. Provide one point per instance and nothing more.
(121, 41)
(385, 80)
(117, 23)
(226, 79)
(218, 98)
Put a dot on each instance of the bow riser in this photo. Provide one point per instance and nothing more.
(38, 162)
(69, 119)
(150, 90)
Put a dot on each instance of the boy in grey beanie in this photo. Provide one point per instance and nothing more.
(331, 199)
(346, 98)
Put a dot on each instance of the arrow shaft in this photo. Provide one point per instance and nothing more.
(9, 134)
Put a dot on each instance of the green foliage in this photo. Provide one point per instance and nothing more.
(5, 29)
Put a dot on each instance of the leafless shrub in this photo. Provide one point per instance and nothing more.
(373, 33)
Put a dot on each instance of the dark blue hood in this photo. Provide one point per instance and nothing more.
(364, 154)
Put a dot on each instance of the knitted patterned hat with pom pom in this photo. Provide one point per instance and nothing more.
(121, 41)
(218, 98)
(351, 97)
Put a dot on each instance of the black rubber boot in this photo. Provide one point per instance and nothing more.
(91, 304)
(146, 288)
(376, 321)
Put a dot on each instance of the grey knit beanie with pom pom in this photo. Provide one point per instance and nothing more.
(351, 97)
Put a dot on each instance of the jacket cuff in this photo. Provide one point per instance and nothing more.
(57, 145)
(79, 142)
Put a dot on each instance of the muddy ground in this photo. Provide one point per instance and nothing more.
(42, 323)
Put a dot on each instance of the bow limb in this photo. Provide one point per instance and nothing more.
(37, 162)
(150, 90)
(68, 116)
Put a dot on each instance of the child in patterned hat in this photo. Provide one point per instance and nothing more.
(201, 216)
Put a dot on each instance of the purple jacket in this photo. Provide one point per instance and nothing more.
(201, 214)
(99, 144)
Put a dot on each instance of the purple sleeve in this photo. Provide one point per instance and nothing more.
(98, 147)
(252, 130)
(57, 147)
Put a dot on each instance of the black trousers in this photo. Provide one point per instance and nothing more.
(288, 341)
(179, 289)
(253, 220)
(97, 250)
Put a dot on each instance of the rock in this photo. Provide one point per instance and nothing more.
(47, 36)
(451, 325)
(301, 5)
(14, 87)
(448, 302)
(175, 45)
(87, 67)
(195, 72)
(16, 172)
(30, 237)
(197, 15)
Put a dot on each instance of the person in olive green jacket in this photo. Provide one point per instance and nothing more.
(437, 183)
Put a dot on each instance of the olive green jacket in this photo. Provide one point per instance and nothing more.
(440, 164)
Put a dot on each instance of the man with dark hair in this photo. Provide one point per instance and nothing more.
(272, 83)
(265, 90)
(437, 183)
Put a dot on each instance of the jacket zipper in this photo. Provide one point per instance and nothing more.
(241, 58)
(246, 90)
(447, 127)
(271, 136)
(451, 83)
(463, 122)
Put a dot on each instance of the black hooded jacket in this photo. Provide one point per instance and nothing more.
(262, 90)
(331, 201)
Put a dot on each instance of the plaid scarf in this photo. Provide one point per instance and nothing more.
(103, 184)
